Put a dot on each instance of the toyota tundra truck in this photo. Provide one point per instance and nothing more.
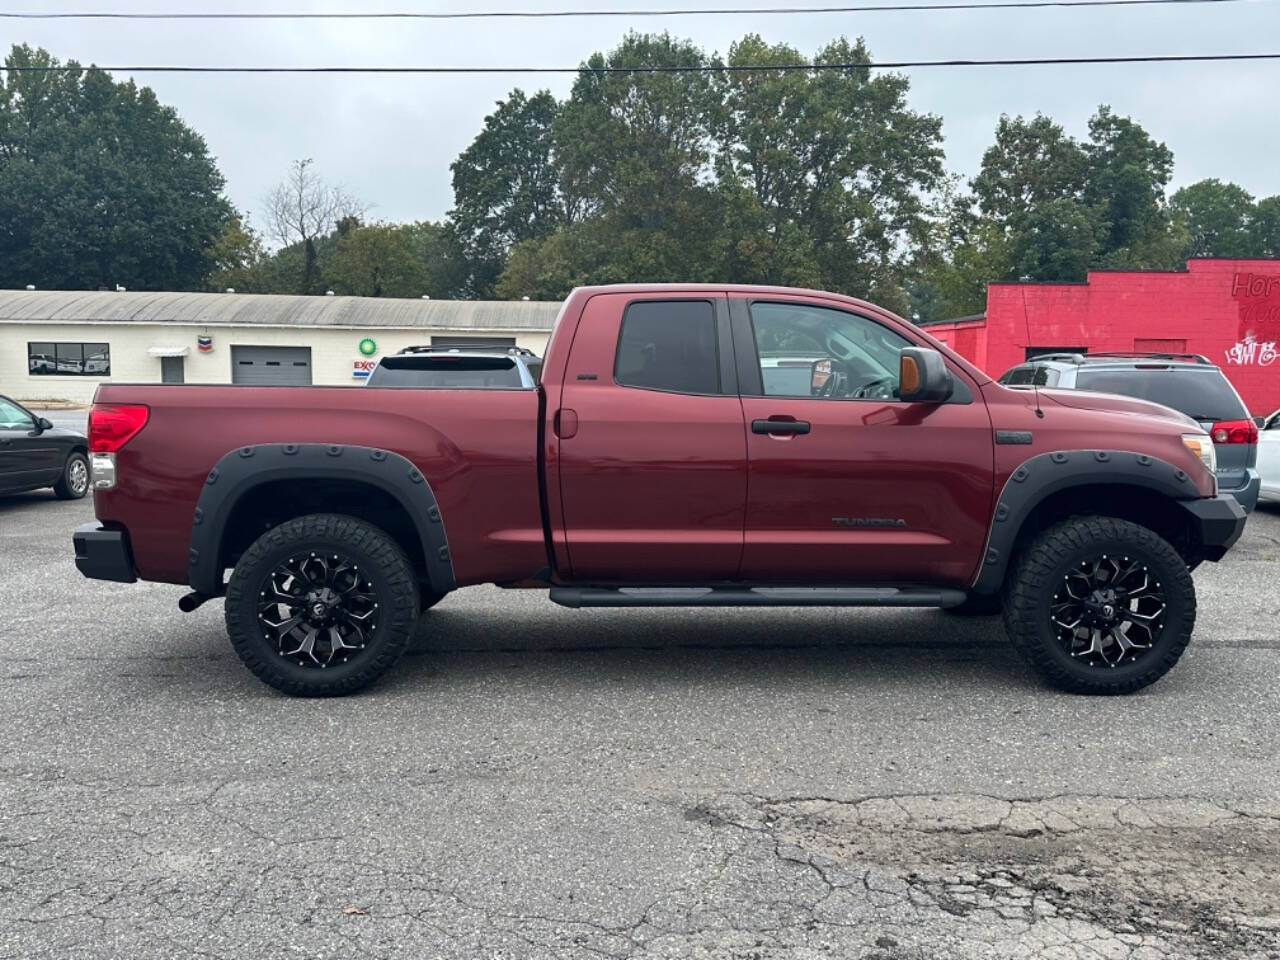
(687, 445)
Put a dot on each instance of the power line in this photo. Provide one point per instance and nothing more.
(561, 14)
(734, 68)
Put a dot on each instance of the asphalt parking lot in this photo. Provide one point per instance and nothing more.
(535, 782)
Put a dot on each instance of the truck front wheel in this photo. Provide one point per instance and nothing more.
(1100, 605)
(321, 605)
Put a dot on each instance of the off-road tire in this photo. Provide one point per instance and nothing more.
(384, 566)
(1040, 568)
(977, 605)
(68, 489)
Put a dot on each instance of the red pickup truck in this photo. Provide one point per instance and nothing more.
(687, 445)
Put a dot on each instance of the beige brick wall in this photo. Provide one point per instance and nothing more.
(333, 351)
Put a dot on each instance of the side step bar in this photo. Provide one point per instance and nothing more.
(757, 597)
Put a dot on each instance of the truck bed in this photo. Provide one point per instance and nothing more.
(477, 448)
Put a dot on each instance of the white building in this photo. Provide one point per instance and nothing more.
(57, 345)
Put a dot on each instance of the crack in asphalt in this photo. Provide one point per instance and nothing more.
(882, 877)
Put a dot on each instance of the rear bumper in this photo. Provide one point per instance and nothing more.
(1247, 493)
(1218, 522)
(103, 554)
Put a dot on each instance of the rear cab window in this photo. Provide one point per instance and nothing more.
(1201, 393)
(669, 345)
(445, 371)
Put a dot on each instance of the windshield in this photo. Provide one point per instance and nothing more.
(494, 373)
(1202, 394)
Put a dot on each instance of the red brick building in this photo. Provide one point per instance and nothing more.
(1227, 310)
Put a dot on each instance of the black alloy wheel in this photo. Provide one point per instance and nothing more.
(318, 609)
(1099, 605)
(1109, 611)
(322, 605)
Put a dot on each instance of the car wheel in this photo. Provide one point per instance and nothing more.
(1100, 605)
(74, 482)
(321, 606)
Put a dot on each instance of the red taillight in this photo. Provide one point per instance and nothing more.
(1234, 431)
(112, 425)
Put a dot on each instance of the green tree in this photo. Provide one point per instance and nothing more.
(376, 260)
(100, 184)
(506, 186)
(1032, 162)
(1265, 227)
(1218, 219)
(634, 144)
(236, 257)
(1128, 173)
(824, 172)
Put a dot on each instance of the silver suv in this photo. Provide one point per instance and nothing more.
(1188, 383)
(516, 368)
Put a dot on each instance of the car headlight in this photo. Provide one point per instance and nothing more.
(1202, 447)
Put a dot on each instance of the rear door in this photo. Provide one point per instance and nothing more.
(848, 484)
(651, 446)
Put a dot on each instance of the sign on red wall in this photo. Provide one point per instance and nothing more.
(1257, 297)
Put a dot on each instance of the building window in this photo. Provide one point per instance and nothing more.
(69, 359)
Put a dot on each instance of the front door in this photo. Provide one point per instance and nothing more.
(652, 452)
(848, 484)
(28, 459)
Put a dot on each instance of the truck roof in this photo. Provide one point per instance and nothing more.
(578, 297)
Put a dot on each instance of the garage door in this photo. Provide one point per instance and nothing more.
(271, 366)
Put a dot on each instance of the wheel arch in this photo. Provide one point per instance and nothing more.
(255, 487)
(1052, 486)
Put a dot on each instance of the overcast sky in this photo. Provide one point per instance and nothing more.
(390, 139)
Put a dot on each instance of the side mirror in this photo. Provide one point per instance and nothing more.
(923, 376)
(819, 374)
(42, 424)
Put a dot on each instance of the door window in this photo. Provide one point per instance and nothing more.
(669, 345)
(820, 353)
(13, 417)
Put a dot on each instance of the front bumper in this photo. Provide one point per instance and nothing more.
(103, 554)
(1218, 522)
(1247, 493)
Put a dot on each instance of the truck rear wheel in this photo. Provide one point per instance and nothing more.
(321, 606)
(1100, 605)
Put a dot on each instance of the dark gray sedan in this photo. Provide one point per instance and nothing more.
(34, 454)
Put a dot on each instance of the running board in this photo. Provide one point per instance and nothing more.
(757, 597)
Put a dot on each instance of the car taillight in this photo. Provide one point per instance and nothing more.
(1234, 431)
(112, 425)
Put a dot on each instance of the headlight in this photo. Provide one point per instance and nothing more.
(1202, 447)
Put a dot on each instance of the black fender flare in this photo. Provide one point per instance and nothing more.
(1043, 475)
(241, 470)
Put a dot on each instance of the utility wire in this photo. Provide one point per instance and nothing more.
(728, 68)
(560, 14)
